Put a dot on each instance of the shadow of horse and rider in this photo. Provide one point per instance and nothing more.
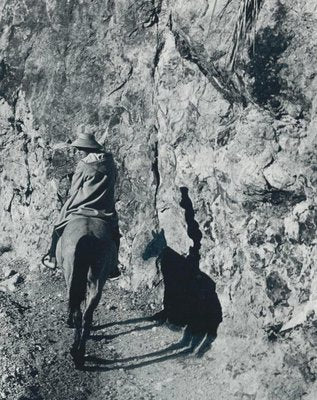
(88, 255)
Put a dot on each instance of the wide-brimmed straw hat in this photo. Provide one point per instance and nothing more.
(86, 140)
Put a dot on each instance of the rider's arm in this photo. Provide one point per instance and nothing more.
(77, 180)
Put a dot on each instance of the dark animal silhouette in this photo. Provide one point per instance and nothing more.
(87, 253)
(189, 295)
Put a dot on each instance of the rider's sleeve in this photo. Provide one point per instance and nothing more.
(77, 180)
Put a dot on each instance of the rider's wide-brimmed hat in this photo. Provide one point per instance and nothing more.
(86, 139)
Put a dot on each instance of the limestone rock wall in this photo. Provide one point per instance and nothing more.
(152, 78)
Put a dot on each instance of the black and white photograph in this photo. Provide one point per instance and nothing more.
(158, 199)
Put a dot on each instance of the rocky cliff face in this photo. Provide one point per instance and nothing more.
(152, 78)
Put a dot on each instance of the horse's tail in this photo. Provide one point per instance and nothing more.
(82, 261)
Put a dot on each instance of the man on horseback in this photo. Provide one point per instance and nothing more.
(91, 193)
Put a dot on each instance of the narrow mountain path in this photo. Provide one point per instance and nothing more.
(128, 356)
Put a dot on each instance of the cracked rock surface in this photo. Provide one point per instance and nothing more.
(152, 78)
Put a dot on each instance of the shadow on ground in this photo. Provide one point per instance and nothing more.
(189, 344)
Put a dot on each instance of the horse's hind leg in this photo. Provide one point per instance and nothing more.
(92, 300)
(96, 279)
(76, 317)
(77, 291)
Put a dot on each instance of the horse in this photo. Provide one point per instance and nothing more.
(87, 253)
(190, 297)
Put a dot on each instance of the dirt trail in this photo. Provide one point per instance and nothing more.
(126, 355)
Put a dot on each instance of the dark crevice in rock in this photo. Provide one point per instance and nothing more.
(307, 229)
(12, 120)
(124, 82)
(192, 227)
(154, 15)
(269, 88)
(16, 124)
(273, 332)
(264, 67)
(223, 137)
(11, 78)
(156, 172)
(159, 49)
(280, 197)
(150, 12)
(269, 163)
(275, 197)
(70, 10)
(277, 289)
(9, 208)
(4, 69)
(8, 85)
(269, 186)
(29, 189)
(227, 131)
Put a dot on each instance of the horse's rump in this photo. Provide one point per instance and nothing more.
(86, 245)
(84, 258)
(78, 228)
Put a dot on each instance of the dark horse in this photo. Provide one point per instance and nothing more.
(87, 253)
